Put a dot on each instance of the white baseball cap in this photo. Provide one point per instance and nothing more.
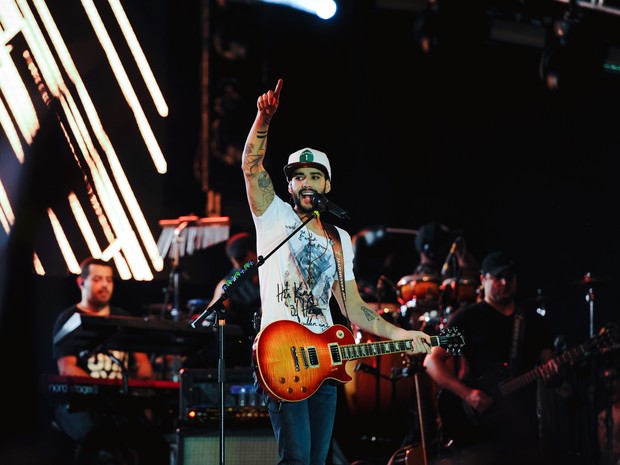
(308, 157)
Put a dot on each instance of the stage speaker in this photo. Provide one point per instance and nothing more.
(242, 446)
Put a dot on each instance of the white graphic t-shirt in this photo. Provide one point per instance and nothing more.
(297, 280)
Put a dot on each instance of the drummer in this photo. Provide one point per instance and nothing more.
(444, 253)
(433, 244)
(445, 276)
(418, 293)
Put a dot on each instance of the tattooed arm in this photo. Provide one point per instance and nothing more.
(365, 317)
(258, 185)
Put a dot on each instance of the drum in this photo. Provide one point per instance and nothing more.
(381, 386)
(418, 291)
(458, 293)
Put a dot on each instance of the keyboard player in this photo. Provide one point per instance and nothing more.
(105, 433)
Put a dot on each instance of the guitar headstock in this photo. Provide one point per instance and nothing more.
(452, 340)
(606, 340)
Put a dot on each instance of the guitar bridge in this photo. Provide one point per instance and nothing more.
(295, 358)
(304, 357)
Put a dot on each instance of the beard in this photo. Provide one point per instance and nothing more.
(301, 207)
(503, 298)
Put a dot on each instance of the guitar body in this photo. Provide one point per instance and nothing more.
(461, 423)
(508, 417)
(292, 362)
(457, 425)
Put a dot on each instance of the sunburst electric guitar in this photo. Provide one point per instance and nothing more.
(292, 362)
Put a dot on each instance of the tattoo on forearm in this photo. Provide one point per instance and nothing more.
(262, 146)
(264, 182)
(252, 161)
(261, 202)
(370, 313)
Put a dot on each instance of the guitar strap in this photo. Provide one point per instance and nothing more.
(517, 341)
(334, 237)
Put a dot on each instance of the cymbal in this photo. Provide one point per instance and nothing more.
(588, 281)
(541, 299)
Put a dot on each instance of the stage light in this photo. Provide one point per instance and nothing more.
(324, 9)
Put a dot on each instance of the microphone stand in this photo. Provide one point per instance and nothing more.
(170, 368)
(240, 276)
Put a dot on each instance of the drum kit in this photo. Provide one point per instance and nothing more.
(426, 301)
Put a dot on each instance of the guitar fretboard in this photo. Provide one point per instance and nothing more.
(368, 349)
(570, 356)
(353, 351)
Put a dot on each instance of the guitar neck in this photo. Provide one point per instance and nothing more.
(570, 356)
(367, 349)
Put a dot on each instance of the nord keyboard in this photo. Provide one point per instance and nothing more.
(152, 335)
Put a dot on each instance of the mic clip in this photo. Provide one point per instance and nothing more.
(325, 205)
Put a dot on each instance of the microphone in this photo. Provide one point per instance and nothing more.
(446, 265)
(323, 204)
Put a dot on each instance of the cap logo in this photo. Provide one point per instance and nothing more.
(306, 157)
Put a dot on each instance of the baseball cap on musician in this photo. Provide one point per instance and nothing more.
(496, 263)
(308, 157)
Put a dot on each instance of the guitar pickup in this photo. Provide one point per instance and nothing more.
(313, 358)
(334, 350)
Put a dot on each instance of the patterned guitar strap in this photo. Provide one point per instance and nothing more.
(517, 341)
(334, 237)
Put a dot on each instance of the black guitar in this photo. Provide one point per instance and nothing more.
(462, 424)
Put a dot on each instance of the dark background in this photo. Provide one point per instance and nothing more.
(469, 136)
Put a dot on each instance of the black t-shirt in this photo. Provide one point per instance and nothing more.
(487, 353)
(489, 336)
(99, 364)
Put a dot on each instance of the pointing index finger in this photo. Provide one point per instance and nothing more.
(276, 92)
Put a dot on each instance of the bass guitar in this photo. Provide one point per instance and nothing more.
(292, 362)
(460, 421)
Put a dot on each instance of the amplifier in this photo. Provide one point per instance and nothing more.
(248, 436)
(199, 401)
(243, 445)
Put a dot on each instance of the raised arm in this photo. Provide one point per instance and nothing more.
(258, 185)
